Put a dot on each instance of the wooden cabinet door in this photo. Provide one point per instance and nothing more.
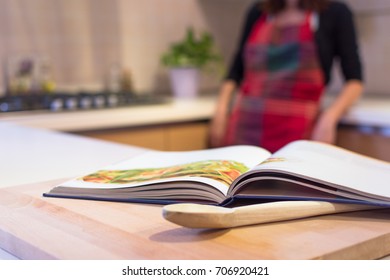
(370, 142)
(152, 138)
(187, 137)
(170, 137)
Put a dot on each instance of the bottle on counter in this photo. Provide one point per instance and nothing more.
(113, 79)
(126, 81)
(46, 81)
(21, 81)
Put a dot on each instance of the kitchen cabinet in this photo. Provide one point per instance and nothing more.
(167, 137)
(366, 140)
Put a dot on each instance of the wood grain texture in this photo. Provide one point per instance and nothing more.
(34, 227)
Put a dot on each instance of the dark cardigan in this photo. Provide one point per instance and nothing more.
(335, 38)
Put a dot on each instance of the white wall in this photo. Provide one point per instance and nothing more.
(372, 19)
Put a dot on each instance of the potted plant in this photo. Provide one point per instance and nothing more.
(186, 58)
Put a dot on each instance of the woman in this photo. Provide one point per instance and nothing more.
(281, 68)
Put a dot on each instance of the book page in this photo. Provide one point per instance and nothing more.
(216, 167)
(330, 164)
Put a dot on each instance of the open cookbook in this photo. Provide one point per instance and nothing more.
(302, 170)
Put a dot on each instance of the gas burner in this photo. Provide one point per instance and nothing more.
(70, 102)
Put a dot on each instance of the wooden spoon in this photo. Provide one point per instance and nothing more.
(207, 216)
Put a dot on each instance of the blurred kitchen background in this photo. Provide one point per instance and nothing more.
(81, 43)
(83, 39)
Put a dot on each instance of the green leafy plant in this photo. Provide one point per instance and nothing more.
(192, 51)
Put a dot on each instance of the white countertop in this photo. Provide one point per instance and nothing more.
(169, 112)
(369, 111)
(31, 155)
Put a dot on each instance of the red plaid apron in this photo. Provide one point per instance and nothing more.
(283, 83)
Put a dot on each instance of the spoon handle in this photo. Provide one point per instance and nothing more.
(204, 216)
(288, 210)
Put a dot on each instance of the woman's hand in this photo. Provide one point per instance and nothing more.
(219, 122)
(325, 129)
(218, 129)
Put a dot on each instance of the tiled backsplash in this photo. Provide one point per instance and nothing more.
(83, 38)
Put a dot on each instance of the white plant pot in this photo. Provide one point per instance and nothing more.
(184, 82)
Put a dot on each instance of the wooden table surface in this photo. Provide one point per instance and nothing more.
(34, 227)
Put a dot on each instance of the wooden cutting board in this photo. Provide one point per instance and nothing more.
(34, 227)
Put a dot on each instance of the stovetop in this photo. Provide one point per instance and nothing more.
(71, 101)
